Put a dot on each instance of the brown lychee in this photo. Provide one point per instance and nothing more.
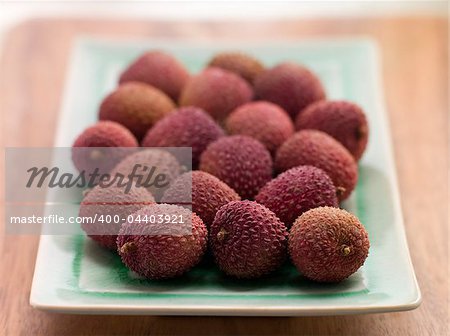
(318, 149)
(261, 120)
(216, 91)
(102, 146)
(328, 244)
(162, 241)
(289, 85)
(343, 120)
(185, 127)
(240, 161)
(246, 66)
(153, 168)
(160, 70)
(103, 210)
(137, 106)
(297, 190)
(203, 191)
(248, 240)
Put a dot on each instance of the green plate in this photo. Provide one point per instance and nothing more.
(72, 274)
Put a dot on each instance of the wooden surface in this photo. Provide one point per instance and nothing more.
(415, 69)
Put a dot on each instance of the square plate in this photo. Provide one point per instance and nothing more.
(72, 274)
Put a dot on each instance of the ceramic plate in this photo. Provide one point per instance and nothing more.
(72, 274)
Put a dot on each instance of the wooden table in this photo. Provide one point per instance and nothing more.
(414, 54)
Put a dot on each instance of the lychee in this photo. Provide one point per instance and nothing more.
(289, 85)
(137, 106)
(264, 121)
(297, 190)
(241, 64)
(248, 240)
(318, 149)
(328, 244)
(241, 162)
(160, 70)
(162, 241)
(185, 127)
(343, 120)
(216, 91)
(203, 191)
(104, 208)
(154, 169)
(87, 152)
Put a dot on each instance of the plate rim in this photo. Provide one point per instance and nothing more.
(232, 310)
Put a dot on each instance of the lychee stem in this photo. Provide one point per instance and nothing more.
(360, 132)
(221, 235)
(128, 248)
(340, 191)
(345, 250)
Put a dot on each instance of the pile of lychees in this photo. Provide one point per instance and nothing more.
(272, 160)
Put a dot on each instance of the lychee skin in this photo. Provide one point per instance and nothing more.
(110, 201)
(318, 149)
(289, 85)
(328, 244)
(248, 240)
(216, 91)
(160, 70)
(162, 250)
(241, 162)
(344, 121)
(241, 64)
(137, 106)
(297, 190)
(163, 162)
(261, 120)
(205, 192)
(185, 127)
(106, 134)
(102, 134)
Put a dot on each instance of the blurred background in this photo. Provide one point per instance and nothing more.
(14, 12)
